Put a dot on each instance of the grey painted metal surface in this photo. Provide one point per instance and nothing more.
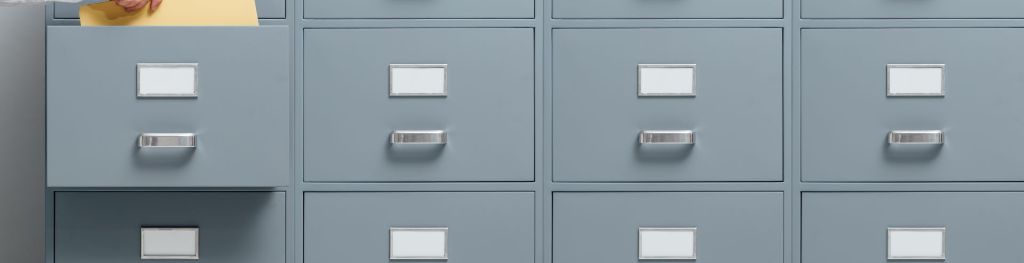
(736, 114)
(482, 226)
(240, 117)
(265, 8)
(404, 9)
(730, 226)
(234, 227)
(912, 9)
(22, 140)
(851, 227)
(487, 114)
(847, 115)
(575, 9)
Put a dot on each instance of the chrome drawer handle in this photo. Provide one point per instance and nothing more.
(916, 137)
(419, 137)
(167, 140)
(667, 137)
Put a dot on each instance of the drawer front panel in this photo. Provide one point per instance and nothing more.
(419, 9)
(732, 120)
(479, 129)
(912, 9)
(239, 117)
(237, 227)
(729, 227)
(493, 227)
(666, 9)
(853, 227)
(853, 131)
(267, 9)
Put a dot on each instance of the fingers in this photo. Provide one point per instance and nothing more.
(154, 4)
(131, 5)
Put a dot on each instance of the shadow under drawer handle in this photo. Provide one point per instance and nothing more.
(167, 140)
(916, 137)
(667, 137)
(419, 137)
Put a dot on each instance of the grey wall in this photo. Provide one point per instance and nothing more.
(21, 133)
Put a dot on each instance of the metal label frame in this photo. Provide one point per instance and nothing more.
(640, 242)
(391, 80)
(640, 75)
(888, 80)
(142, 242)
(391, 236)
(138, 80)
(888, 242)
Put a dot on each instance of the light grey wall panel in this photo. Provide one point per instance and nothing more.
(21, 133)
(847, 115)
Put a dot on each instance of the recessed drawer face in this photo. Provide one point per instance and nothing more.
(123, 227)
(461, 227)
(671, 105)
(423, 105)
(193, 107)
(714, 227)
(890, 105)
(267, 9)
(927, 226)
(431, 9)
(667, 9)
(912, 9)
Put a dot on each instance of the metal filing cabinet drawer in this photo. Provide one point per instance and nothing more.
(666, 9)
(222, 94)
(710, 108)
(712, 227)
(426, 104)
(123, 227)
(870, 227)
(267, 9)
(892, 105)
(457, 227)
(912, 9)
(402, 9)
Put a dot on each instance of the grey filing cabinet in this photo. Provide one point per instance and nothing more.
(544, 131)
(902, 109)
(168, 144)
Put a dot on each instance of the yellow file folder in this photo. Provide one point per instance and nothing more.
(173, 13)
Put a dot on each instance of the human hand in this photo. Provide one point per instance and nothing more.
(135, 5)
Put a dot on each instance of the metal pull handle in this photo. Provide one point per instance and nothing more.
(167, 140)
(667, 137)
(419, 137)
(916, 137)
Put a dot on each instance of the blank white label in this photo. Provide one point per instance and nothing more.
(419, 80)
(917, 243)
(668, 243)
(915, 80)
(419, 243)
(167, 80)
(667, 80)
(170, 243)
